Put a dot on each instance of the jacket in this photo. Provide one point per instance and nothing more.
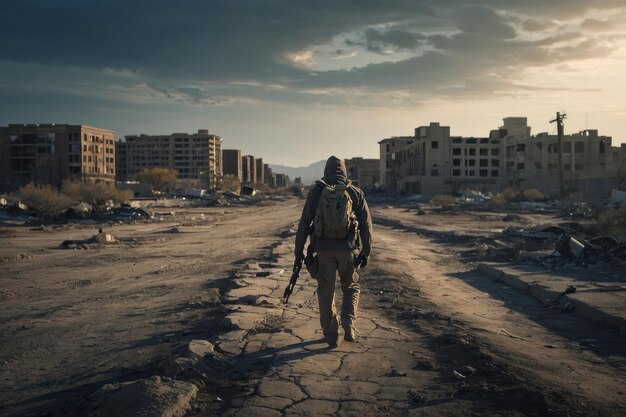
(335, 173)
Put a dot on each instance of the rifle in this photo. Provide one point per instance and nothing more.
(297, 266)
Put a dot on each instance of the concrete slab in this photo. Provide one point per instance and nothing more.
(581, 292)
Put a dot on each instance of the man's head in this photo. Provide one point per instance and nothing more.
(335, 171)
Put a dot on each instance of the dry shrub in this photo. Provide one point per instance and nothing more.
(443, 200)
(613, 222)
(160, 178)
(96, 194)
(507, 195)
(229, 183)
(45, 199)
(533, 194)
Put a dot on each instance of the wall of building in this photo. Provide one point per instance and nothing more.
(232, 163)
(52, 153)
(364, 173)
(196, 156)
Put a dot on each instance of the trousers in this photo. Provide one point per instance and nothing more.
(331, 264)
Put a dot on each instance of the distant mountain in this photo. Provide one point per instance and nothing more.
(309, 174)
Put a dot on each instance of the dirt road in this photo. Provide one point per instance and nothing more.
(72, 320)
(436, 337)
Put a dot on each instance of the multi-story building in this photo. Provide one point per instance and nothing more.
(282, 181)
(388, 149)
(232, 163)
(196, 156)
(249, 169)
(533, 161)
(52, 153)
(260, 172)
(433, 162)
(364, 173)
(269, 176)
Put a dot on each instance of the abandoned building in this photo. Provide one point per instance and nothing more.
(364, 173)
(433, 162)
(249, 170)
(52, 153)
(196, 156)
(232, 163)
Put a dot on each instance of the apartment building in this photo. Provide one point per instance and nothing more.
(388, 149)
(249, 169)
(196, 156)
(432, 162)
(260, 172)
(364, 173)
(52, 153)
(282, 181)
(232, 163)
(533, 161)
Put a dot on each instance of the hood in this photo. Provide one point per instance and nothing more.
(335, 171)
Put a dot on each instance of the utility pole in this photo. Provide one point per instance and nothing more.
(559, 129)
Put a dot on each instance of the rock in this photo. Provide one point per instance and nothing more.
(176, 366)
(417, 397)
(200, 348)
(152, 397)
(395, 373)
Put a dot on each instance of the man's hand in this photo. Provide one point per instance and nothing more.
(360, 262)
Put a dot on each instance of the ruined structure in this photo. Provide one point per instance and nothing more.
(52, 153)
(196, 156)
(249, 170)
(364, 173)
(433, 162)
(232, 163)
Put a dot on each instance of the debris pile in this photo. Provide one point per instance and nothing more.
(553, 246)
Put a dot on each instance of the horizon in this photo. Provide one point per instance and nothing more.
(291, 82)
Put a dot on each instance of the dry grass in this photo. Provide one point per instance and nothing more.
(443, 200)
(533, 194)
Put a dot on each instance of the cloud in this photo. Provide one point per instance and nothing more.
(222, 52)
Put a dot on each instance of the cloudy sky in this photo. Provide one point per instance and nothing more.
(295, 80)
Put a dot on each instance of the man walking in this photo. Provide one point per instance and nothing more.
(341, 224)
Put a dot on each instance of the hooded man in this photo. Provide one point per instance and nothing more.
(336, 255)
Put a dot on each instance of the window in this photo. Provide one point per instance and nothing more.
(434, 172)
(456, 151)
(521, 147)
(434, 144)
(483, 173)
(456, 140)
(567, 167)
(495, 162)
(567, 147)
(521, 165)
(484, 140)
(470, 173)
(483, 152)
(472, 152)
(579, 167)
(456, 172)
(484, 163)
(602, 146)
(495, 152)
(472, 162)
(456, 162)
(495, 172)
(538, 165)
(579, 147)
(539, 145)
(470, 140)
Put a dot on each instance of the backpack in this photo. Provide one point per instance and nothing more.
(334, 218)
